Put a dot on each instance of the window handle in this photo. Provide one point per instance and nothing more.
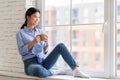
(104, 28)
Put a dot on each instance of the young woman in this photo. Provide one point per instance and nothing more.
(32, 46)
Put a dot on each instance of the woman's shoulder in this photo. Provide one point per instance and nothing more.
(19, 32)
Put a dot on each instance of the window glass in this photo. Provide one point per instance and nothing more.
(78, 25)
(118, 37)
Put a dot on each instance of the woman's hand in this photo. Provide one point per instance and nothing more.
(37, 39)
(34, 41)
(43, 37)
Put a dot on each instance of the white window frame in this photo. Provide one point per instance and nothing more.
(110, 38)
(109, 29)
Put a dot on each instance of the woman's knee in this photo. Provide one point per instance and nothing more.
(38, 70)
(61, 45)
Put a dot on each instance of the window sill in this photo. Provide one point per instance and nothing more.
(23, 76)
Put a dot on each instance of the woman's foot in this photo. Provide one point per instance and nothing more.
(78, 73)
(57, 72)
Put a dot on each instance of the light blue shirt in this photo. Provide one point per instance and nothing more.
(26, 35)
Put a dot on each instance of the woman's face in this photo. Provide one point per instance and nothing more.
(34, 19)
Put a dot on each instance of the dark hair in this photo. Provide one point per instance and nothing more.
(29, 12)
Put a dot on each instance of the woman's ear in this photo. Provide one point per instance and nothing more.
(28, 17)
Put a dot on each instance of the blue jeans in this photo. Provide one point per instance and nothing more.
(33, 68)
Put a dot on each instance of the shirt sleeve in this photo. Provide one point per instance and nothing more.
(22, 48)
(44, 45)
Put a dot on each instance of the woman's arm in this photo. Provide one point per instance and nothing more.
(22, 47)
(34, 41)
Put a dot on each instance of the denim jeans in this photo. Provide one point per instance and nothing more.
(33, 68)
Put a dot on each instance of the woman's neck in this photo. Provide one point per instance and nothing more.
(30, 26)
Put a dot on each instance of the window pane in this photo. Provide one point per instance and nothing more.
(57, 35)
(89, 43)
(85, 11)
(57, 13)
(118, 37)
(89, 48)
(118, 48)
(86, 39)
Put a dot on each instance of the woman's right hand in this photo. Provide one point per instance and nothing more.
(37, 39)
(34, 41)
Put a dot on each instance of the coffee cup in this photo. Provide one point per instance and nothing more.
(43, 37)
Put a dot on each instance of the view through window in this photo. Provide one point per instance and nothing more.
(118, 37)
(78, 25)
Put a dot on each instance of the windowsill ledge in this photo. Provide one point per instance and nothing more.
(23, 76)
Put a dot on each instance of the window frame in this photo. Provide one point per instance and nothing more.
(109, 30)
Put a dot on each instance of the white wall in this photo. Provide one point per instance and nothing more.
(11, 18)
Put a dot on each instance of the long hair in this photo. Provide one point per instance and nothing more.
(29, 12)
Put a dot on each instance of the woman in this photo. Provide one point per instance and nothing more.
(32, 47)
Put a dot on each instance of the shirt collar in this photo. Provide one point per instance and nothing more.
(27, 29)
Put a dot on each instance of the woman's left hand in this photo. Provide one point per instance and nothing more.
(44, 37)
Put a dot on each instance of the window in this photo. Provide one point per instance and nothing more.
(85, 21)
(75, 16)
(118, 62)
(75, 25)
(57, 17)
(97, 37)
(75, 37)
(118, 10)
(85, 60)
(75, 55)
(118, 37)
(85, 38)
(97, 60)
(75, 13)
(67, 21)
(85, 12)
(46, 19)
(75, 21)
(98, 11)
